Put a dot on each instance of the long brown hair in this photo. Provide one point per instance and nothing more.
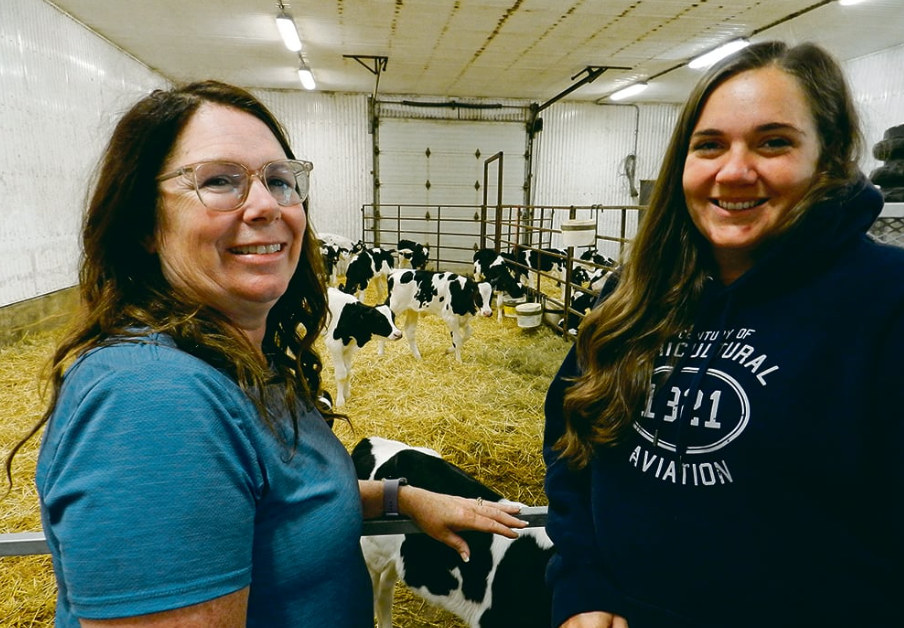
(663, 278)
(124, 293)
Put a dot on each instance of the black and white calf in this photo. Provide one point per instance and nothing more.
(454, 298)
(548, 260)
(412, 254)
(330, 256)
(495, 268)
(352, 324)
(501, 586)
(485, 259)
(582, 301)
(337, 252)
(592, 255)
(368, 265)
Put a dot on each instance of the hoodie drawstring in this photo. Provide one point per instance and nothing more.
(694, 389)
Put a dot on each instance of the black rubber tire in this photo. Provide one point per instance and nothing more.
(894, 131)
(891, 175)
(889, 149)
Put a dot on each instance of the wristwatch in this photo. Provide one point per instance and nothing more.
(391, 496)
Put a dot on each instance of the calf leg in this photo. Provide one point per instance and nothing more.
(410, 329)
(384, 590)
(465, 326)
(380, 555)
(343, 383)
(455, 329)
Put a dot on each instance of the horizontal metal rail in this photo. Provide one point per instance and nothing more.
(34, 543)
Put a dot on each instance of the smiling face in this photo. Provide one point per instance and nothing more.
(238, 262)
(752, 156)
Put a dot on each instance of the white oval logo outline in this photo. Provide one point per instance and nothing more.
(719, 444)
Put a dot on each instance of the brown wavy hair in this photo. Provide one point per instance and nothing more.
(124, 293)
(663, 278)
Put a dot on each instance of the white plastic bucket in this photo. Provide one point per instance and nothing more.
(578, 232)
(529, 314)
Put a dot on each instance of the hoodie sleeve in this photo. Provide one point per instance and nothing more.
(576, 574)
(889, 394)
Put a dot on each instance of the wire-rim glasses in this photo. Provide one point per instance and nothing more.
(224, 185)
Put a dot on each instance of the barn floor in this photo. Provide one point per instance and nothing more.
(485, 414)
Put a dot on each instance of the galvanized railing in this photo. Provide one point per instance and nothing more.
(34, 543)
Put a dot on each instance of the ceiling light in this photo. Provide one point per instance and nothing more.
(706, 60)
(630, 90)
(288, 30)
(306, 77)
(845, 3)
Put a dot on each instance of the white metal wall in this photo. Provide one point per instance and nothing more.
(581, 152)
(878, 84)
(331, 130)
(61, 87)
(582, 158)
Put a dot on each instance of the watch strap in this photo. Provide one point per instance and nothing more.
(391, 496)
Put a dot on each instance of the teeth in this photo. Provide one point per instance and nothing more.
(257, 250)
(743, 205)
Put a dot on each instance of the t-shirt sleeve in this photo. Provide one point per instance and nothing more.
(149, 488)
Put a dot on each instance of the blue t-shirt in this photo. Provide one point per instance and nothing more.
(161, 487)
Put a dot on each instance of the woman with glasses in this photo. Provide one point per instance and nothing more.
(724, 445)
(187, 476)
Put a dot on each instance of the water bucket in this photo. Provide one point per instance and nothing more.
(529, 314)
(509, 304)
(578, 232)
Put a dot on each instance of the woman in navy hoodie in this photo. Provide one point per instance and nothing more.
(724, 442)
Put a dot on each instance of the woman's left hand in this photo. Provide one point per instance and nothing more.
(441, 516)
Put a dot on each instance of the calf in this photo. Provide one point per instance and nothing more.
(412, 254)
(592, 255)
(501, 586)
(485, 258)
(454, 298)
(582, 301)
(331, 257)
(342, 249)
(351, 325)
(548, 260)
(494, 267)
(367, 265)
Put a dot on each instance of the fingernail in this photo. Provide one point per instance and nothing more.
(464, 557)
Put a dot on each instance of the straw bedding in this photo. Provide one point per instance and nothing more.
(485, 414)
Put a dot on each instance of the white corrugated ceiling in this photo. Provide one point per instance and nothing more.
(532, 49)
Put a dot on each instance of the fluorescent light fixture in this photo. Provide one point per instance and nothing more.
(307, 78)
(846, 3)
(706, 60)
(630, 90)
(288, 31)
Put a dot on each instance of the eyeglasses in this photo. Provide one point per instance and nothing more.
(223, 185)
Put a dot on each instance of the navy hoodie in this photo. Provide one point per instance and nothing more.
(762, 483)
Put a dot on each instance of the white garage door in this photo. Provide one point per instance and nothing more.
(429, 169)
